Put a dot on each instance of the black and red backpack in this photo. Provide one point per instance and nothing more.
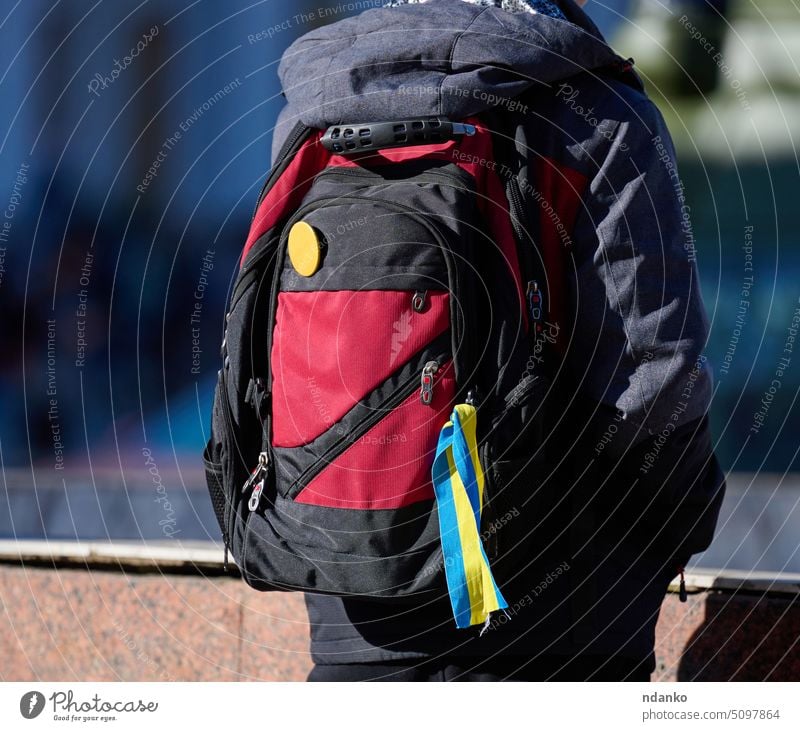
(380, 403)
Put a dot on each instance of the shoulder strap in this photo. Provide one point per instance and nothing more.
(509, 164)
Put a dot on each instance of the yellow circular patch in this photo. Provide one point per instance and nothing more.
(305, 248)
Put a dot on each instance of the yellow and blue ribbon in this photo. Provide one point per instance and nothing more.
(458, 484)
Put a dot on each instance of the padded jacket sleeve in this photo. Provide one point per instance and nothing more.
(639, 333)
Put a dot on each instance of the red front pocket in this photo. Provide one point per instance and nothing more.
(389, 466)
(330, 349)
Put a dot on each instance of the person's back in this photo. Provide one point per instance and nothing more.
(629, 488)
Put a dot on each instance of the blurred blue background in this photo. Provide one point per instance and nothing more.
(106, 379)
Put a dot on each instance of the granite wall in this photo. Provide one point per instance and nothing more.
(72, 624)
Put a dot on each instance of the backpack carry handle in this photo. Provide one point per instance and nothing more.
(353, 138)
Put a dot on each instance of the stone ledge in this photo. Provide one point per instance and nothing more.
(115, 554)
(751, 581)
(101, 611)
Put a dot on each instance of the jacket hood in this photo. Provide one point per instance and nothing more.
(444, 57)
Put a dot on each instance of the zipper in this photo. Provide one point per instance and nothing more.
(533, 296)
(532, 266)
(426, 176)
(426, 384)
(522, 229)
(518, 215)
(241, 287)
(456, 313)
(230, 506)
(248, 271)
(400, 394)
(256, 482)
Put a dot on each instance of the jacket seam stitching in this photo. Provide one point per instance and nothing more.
(450, 56)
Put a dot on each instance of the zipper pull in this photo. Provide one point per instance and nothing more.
(257, 481)
(255, 497)
(258, 397)
(418, 300)
(682, 586)
(534, 297)
(257, 473)
(426, 393)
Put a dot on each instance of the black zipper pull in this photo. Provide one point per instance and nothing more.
(418, 300)
(534, 298)
(428, 372)
(682, 586)
(225, 555)
(258, 397)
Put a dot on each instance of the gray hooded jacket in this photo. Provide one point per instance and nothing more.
(642, 488)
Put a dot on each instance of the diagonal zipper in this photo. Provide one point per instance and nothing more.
(400, 394)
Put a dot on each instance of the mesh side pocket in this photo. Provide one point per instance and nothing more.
(216, 487)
